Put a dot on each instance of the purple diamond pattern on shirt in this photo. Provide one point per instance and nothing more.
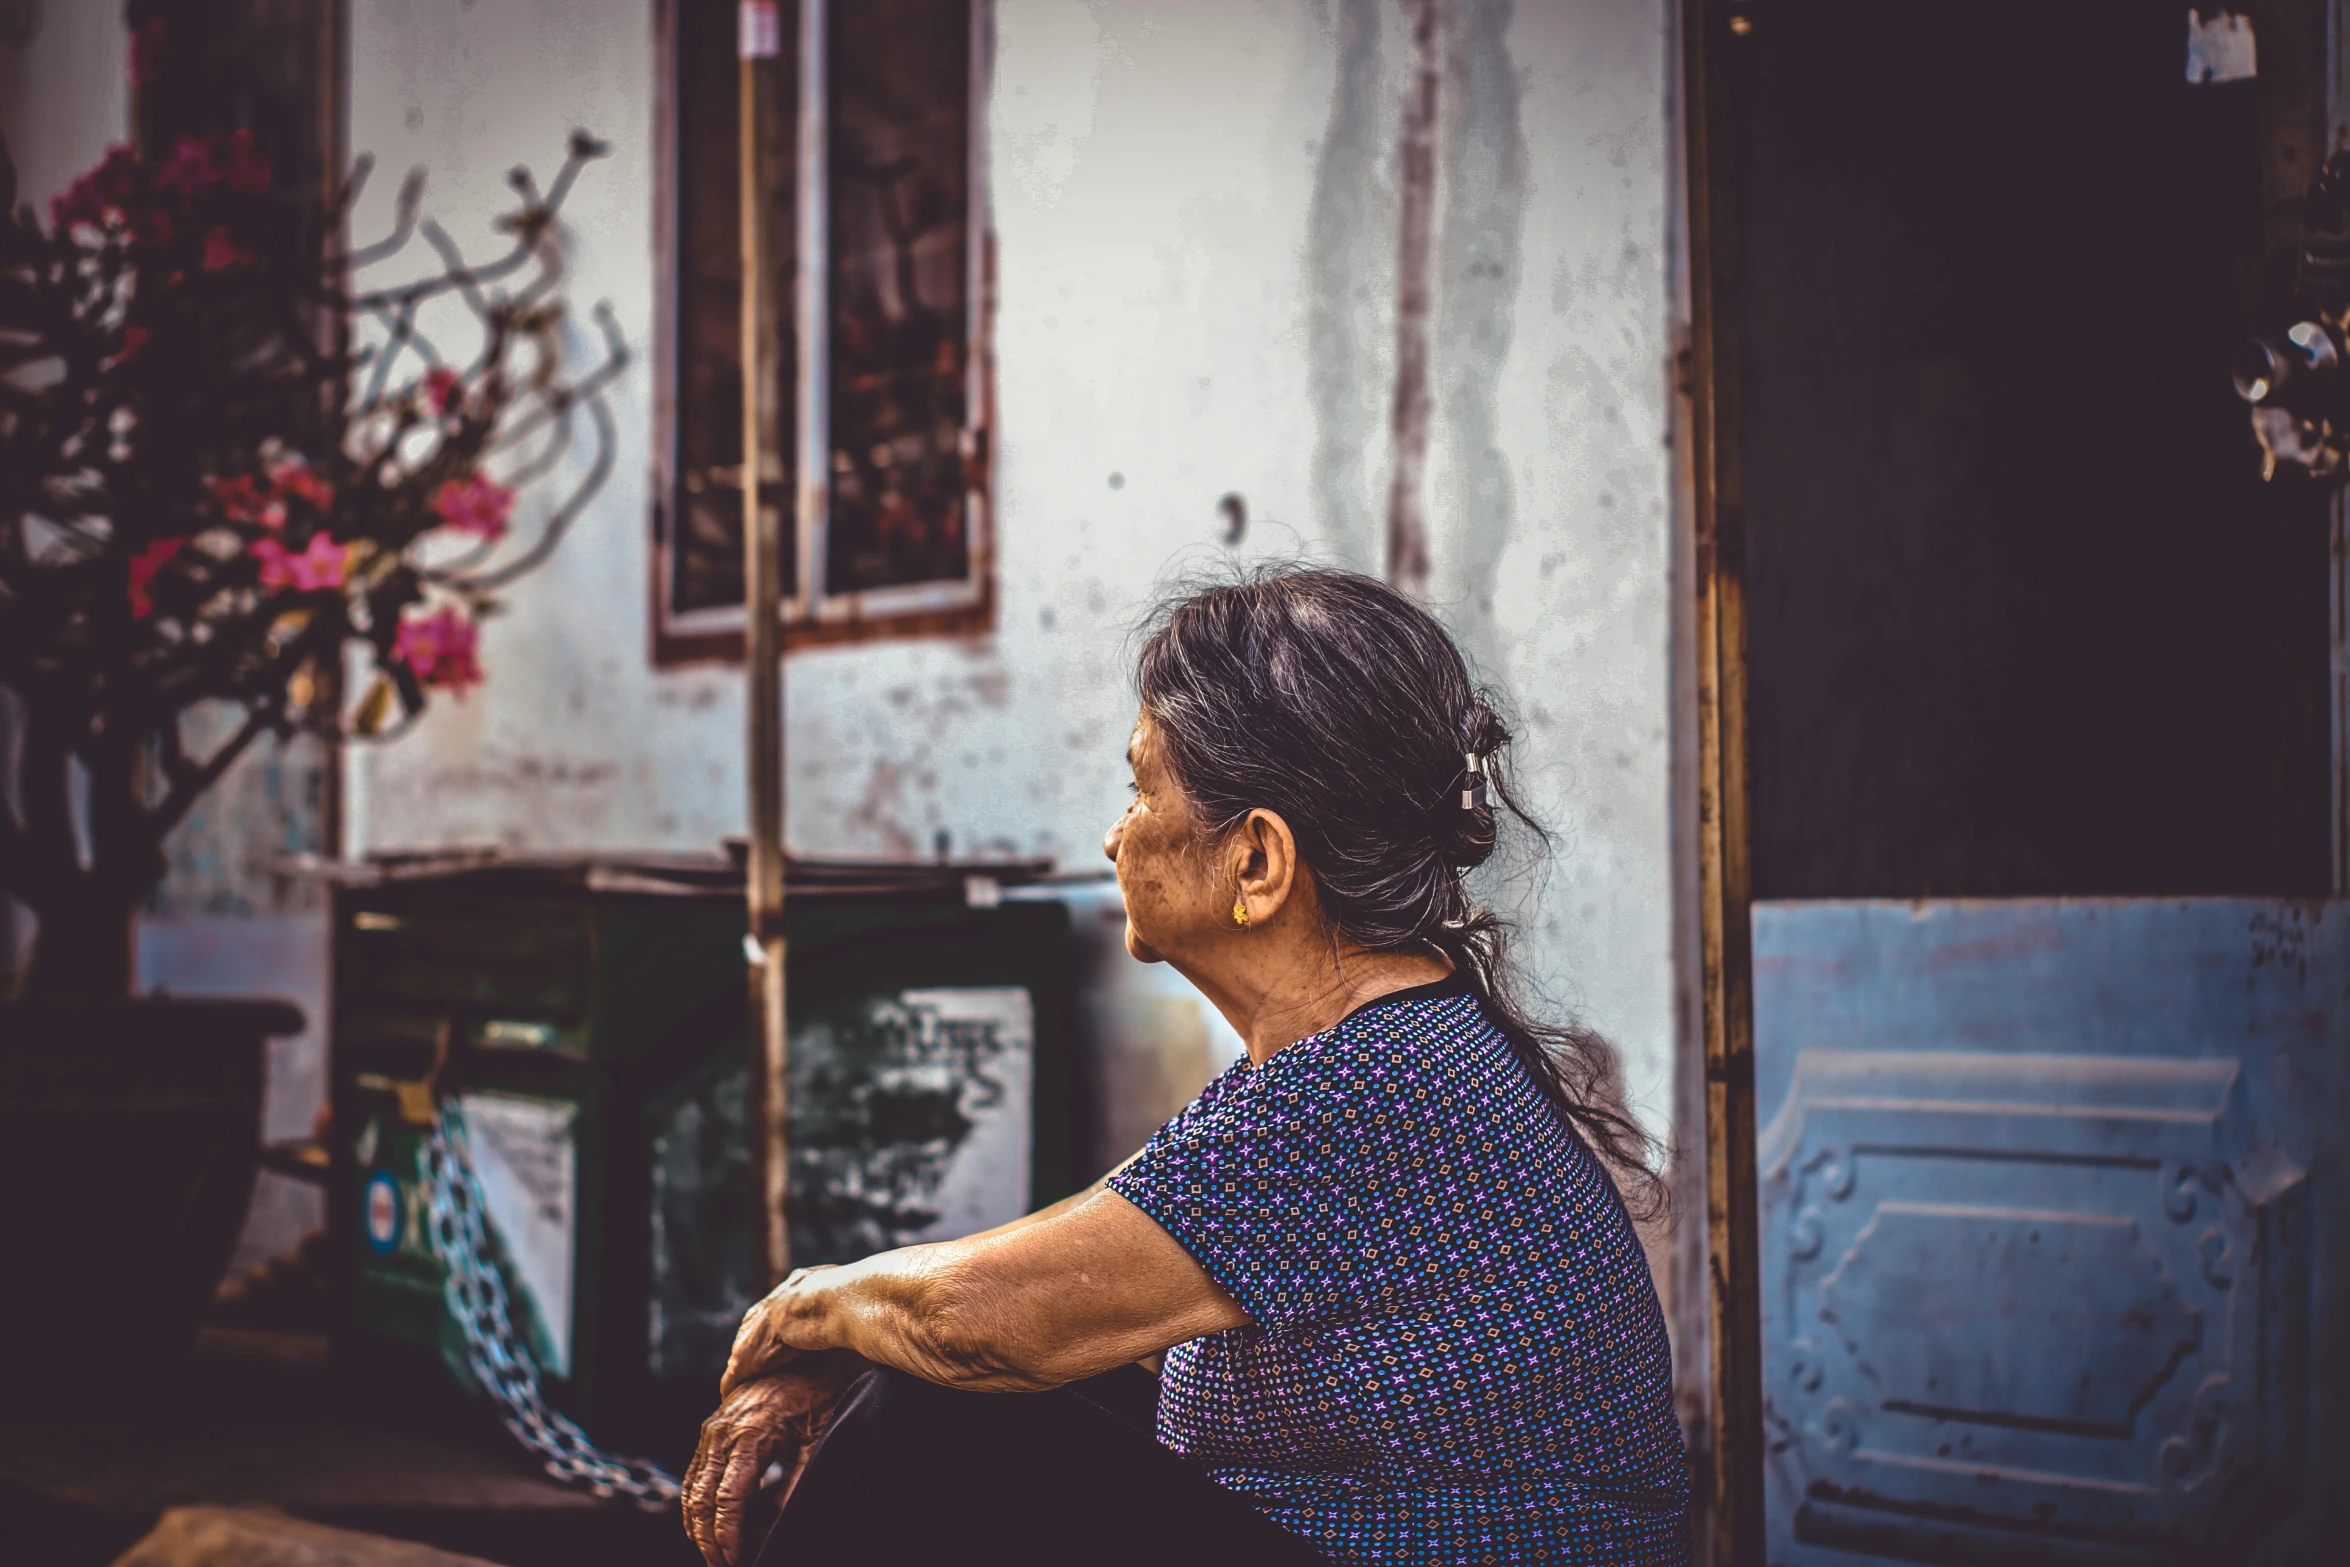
(1457, 1355)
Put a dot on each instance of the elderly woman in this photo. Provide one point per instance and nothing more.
(1402, 1311)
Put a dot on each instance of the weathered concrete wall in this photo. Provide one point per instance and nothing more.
(575, 742)
(1551, 475)
(1195, 202)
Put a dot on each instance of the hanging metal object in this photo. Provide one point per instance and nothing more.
(2294, 381)
(456, 1225)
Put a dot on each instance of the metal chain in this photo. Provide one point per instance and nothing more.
(456, 1222)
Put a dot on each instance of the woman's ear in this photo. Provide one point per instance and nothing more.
(1262, 862)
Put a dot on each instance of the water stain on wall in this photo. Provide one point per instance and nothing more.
(1483, 165)
(876, 822)
(1348, 223)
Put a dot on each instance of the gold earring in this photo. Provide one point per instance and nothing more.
(1239, 911)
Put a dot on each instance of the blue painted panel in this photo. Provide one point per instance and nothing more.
(2053, 1225)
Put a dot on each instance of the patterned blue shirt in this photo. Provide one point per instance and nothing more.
(1456, 1354)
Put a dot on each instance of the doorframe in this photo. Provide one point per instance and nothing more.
(2337, 137)
(2333, 90)
(1719, 1302)
(1729, 1485)
(2338, 686)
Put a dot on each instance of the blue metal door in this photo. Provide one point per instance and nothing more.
(2049, 1064)
(2053, 1225)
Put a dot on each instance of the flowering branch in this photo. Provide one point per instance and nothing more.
(222, 464)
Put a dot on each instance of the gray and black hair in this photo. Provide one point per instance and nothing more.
(1336, 702)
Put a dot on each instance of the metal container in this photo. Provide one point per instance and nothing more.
(588, 1022)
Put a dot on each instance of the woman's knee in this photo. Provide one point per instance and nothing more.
(894, 1440)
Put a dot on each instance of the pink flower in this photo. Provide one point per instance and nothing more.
(440, 647)
(144, 565)
(241, 500)
(98, 195)
(79, 205)
(248, 171)
(323, 565)
(441, 385)
(147, 52)
(297, 478)
(189, 168)
(479, 505)
(222, 252)
(134, 338)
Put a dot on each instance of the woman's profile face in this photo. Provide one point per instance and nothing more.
(1164, 878)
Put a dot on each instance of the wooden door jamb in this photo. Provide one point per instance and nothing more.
(1730, 1499)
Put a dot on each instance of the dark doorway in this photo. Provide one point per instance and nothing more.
(2023, 619)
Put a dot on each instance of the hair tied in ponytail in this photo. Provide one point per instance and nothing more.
(1473, 783)
(1334, 700)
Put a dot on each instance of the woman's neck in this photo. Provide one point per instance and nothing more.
(1287, 990)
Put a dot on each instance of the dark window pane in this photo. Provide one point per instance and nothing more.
(268, 67)
(706, 550)
(265, 66)
(205, 68)
(899, 82)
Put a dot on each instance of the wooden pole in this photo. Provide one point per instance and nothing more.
(760, 38)
(1732, 1503)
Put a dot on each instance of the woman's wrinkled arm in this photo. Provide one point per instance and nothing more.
(1083, 1286)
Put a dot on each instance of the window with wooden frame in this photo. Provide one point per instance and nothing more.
(875, 375)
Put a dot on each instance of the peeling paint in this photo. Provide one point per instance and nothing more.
(697, 695)
(993, 687)
(873, 822)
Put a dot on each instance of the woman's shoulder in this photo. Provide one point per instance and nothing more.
(1416, 1038)
(1439, 1059)
(1432, 1063)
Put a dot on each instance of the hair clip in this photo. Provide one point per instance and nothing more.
(1473, 788)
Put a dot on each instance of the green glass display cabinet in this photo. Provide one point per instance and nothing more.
(588, 1023)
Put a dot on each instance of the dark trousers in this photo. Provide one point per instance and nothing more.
(912, 1472)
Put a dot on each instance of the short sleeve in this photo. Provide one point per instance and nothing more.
(1287, 1196)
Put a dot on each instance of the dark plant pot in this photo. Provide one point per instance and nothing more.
(130, 1132)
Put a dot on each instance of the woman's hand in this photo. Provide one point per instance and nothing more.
(775, 1419)
(759, 1346)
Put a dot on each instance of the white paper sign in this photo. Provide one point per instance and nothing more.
(2222, 49)
(759, 30)
(527, 1160)
(987, 1181)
